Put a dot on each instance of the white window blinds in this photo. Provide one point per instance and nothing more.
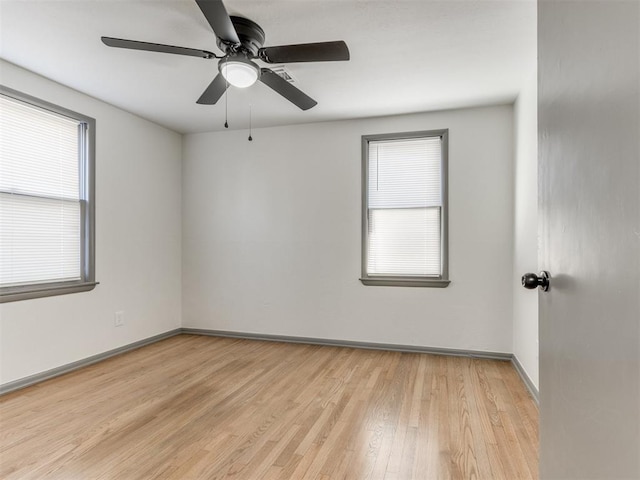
(404, 207)
(40, 195)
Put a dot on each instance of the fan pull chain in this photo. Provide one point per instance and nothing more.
(226, 103)
(250, 137)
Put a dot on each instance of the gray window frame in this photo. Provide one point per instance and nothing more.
(396, 280)
(87, 193)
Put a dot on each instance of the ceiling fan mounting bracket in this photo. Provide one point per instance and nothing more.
(251, 37)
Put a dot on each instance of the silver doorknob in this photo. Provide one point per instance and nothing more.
(531, 281)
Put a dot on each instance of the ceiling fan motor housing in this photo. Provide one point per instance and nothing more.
(251, 37)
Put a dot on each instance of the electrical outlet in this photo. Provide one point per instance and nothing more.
(118, 320)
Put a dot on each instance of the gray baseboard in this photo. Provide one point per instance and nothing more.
(55, 372)
(69, 367)
(533, 390)
(348, 343)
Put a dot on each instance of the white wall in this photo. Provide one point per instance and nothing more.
(138, 249)
(525, 257)
(271, 237)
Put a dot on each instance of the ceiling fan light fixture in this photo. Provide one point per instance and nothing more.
(239, 72)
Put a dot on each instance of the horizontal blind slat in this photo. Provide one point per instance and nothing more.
(38, 150)
(404, 242)
(39, 240)
(40, 204)
(404, 213)
(405, 173)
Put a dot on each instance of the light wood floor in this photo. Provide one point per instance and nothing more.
(203, 407)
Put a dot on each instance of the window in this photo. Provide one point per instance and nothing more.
(46, 199)
(404, 211)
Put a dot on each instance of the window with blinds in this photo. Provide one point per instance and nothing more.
(46, 207)
(404, 209)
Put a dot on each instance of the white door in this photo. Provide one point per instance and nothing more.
(589, 194)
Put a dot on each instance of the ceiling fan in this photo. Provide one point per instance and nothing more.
(241, 41)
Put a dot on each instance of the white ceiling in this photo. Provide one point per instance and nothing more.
(406, 55)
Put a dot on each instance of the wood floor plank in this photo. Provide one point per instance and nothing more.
(195, 407)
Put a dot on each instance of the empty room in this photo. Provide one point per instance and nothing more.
(311, 239)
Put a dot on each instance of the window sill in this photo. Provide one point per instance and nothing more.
(405, 282)
(27, 292)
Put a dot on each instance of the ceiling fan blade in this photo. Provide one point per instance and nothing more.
(218, 18)
(306, 52)
(288, 91)
(214, 91)
(155, 47)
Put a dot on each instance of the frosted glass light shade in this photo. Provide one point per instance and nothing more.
(239, 74)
